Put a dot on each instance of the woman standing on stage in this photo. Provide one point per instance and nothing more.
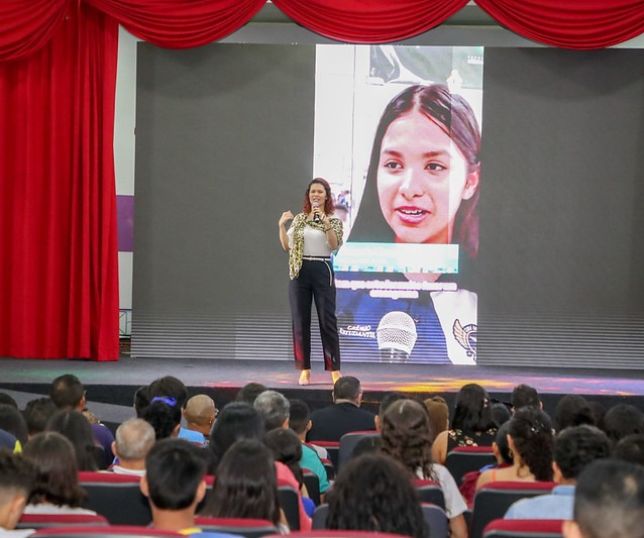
(310, 240)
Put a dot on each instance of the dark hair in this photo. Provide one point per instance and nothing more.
(622, 420)
(373, 493)
(237, 420)
(500, 413)
(286, 448)
(630, 448)
(274, 407)
(501, 441)
(164, 418)
(524, 395)
(37, 413)
(174, 469)
(141, 400)
(246, 485)
(473, 412)
(328, 199)
(346, 388)
(531, 430)
(388, 399)
(453, 113)
(66, 391)
(577, 446)
(17, 474)
(249, 392)
(407, 436)
(609, 499)
(171, 387)
(572, 410)
(438, 414)
(299, 416)
(5, 399)
(75, 427)
(56, 471)
(12, 421)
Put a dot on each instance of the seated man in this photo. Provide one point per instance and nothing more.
(575, 448)
(274, 409)
(134, 439)
(609, 502)
(200, 414)
(174, 485)
(17, 478)
(344, 416)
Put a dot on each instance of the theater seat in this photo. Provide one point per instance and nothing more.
(338, 534)
(312, 483)
(110, 531)
(493, 500)
(42, 521)
(429, 492)
(333, 449)
(348, 442)
(463, 459)
(250, 528)
(524, 528)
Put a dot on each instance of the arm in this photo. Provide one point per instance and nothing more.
(458, 527)
(331, 234)
(439, 448)
(281, 224)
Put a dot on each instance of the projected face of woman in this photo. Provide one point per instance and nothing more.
(422, 178)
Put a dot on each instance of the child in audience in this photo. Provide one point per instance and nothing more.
(17, 477)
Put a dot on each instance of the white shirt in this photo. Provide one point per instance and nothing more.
(315, 242)
(53, 509)
(117, 469)
(454, 503)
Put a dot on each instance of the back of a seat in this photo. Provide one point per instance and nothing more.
(117, 497)
(493, 500)
(312, 483)
(463, 459)
(250, 528)
(333, 450)
(436, 520)
(110, 531)
(429, 492)
(290, 504)
(348, 442)
(524, 528)
(44, 521)
(338, 534)
(320, 516)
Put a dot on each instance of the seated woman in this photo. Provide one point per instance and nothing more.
(75, 427)
(373, 493)
(246, 485)
(472, 425)
(407, 437)
(57, 490)
(530, 440)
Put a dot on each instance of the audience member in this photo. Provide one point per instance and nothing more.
(164, 415)
(407, 437)
(274, 408)
(68, 393)
(523, 396)
(133, 441)
(438, 414)
(373, 493)
(12, 421)
(5, 399)
(599, 412)
(344, 415)
(141, 400)
(37, 413)
(472, 423)
(388, 399)
(174, 485)
(575, 448)
(246, 486)
(500, 413)
(530, 440)
(572, 410)
(609, 502)
(300, 423)
(621, 420)
(9, 442)
(17, 478)
(56, 490)
(74, 426)
(200, 414)
(630, 448)
(249, 392)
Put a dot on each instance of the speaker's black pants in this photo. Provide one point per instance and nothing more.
(314, 282)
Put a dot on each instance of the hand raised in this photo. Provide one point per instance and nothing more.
(286, 216)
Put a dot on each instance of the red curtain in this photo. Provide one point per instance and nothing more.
(180, 23)
(574, 24)
(59, 276)
(369, 21)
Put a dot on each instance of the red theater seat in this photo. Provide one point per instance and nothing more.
(332, 448)
(524, 528)
(348, 442)
(250, 528)
(113, 531)
(42, 521)
(493, 500)
(338, 534)
(429, 492)
(464, 459)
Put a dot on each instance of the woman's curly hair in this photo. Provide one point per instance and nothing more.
(531, 431)
(407, 436)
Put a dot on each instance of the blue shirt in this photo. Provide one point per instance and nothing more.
(558, 504)
(192, 436)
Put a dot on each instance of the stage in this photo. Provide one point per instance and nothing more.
(111, 385)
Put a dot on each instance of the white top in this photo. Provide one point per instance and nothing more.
(315, 243)
(53, 509)
(16, 533)
(454, 503)
(117, 469)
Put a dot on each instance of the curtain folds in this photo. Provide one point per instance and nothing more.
(180, 23)
(573, 24)
(59, 276)
(369, 21)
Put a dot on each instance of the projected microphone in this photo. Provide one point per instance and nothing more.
(396, 335)
(316, 214)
